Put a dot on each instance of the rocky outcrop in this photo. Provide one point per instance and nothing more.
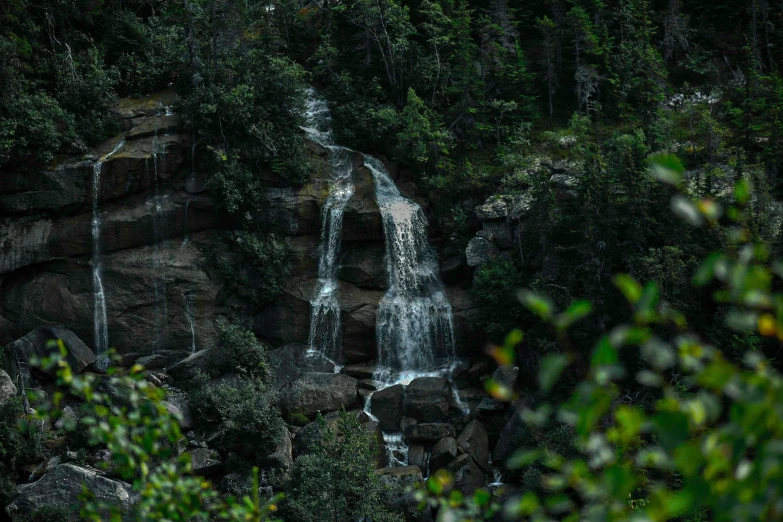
(474, 441)
(319, 392)
(206, 462)
(38, 344)
(400, 497)
(7, 388)
(62, 486)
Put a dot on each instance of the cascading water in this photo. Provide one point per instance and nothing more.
(100, 323)
(414, 328)
(415, 332)
(325, 325)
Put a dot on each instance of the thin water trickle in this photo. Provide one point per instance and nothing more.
(189, 317)
(185, 238)
(158, 235)
(100, 321)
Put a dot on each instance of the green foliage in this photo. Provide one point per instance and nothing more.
(234, 399)
(706, 443)
(142, 438)
(242, 410)
(337, 480)
(240, 352)
(256, 267)
(500, 312)
(17, 449)
(85, 88)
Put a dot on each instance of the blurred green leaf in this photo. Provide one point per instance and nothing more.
(577, 311)
(537, 303)
(551, 368)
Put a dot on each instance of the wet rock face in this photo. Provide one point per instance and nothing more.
(319, 392)
(62, 486)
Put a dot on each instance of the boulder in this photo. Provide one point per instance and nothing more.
(480, 251)
(314, 392)
(7, 388)
(428, 432)
(205, 462)
(152, 362)
(189, 366)
(195, 183)
(154, 125)
(417, 455)
(62, 487)
(468, 475)
(386, 404)
(282, 456)
(36, 343)
(510, 437)
(399, 480)
(490, 405)
(443, 453)
(474, 441)
(178, 406)
(428, 399)
(291, 361)
(493, 209)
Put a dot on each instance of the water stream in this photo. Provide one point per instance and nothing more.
(325, 325)
(415, 331)
(100, 322)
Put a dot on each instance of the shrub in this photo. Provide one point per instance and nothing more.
(17, 448)
(500, 311)
(256, 268)
(142, 438)
(708, 443)
(240, 352)
(337, 481)
(242, 409)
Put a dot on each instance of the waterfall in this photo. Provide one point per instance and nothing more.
(100, 323)
(414, 326)
(325, 325)
(415, 332)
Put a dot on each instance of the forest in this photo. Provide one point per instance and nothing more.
(391, 260)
